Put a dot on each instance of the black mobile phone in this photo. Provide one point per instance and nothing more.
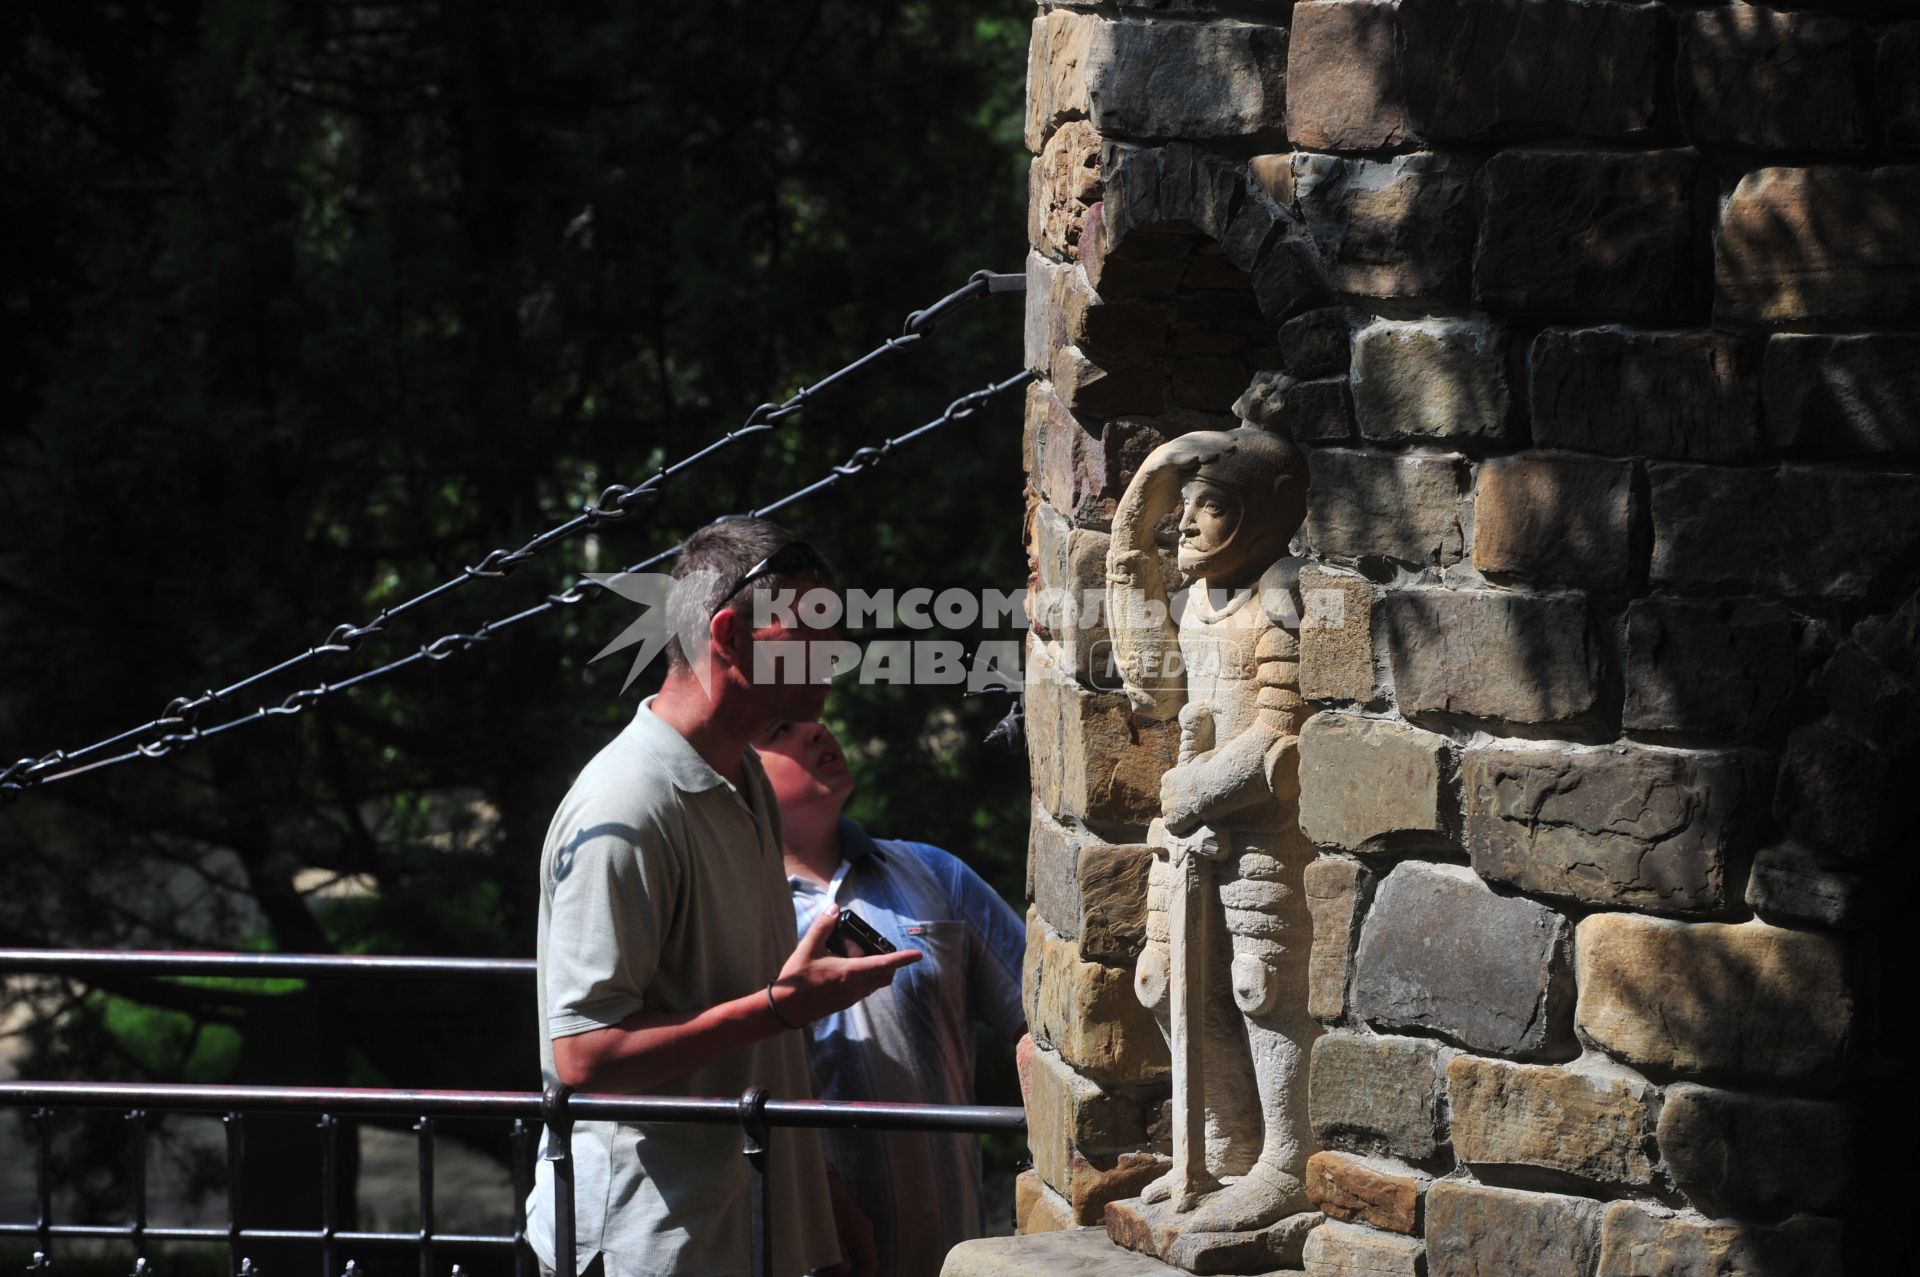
(854, 937)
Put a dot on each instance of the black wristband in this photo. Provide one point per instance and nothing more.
(775, 1008)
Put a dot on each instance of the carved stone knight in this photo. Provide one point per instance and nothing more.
(1225, 964)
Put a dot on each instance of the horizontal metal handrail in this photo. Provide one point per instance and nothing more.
(248, 965)
(819, 1114)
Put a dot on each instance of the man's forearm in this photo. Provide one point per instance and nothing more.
(648, 1049)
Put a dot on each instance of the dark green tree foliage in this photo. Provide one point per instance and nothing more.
(309, 304)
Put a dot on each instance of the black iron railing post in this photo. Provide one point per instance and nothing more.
(753, 1122)
(137, 1183)
(236, 1160)
(329, 1190)
(424, 1128)
(520, 1152)
(553, 1106)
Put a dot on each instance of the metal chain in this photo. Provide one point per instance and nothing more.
(862, 461)
(617, 503)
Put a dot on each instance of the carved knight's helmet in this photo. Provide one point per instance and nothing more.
(1269, 476)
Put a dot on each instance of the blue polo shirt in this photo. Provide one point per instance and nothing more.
(913, 1041)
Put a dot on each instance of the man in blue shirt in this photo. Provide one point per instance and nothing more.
(912, 1042)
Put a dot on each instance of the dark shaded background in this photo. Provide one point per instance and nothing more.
(306, 305)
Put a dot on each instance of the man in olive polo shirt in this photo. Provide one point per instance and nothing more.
(667, 954)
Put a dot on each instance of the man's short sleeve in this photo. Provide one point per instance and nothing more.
(610, 887)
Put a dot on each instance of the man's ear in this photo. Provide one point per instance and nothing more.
(727, 636)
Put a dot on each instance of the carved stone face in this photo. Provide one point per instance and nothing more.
(1209, 517)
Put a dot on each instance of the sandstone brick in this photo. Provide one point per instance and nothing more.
(1343, 77)
(1689, 396)
(1091, 760)
(1856, 393)
(1755, 1156)
(1868, 698)
(1182, 80)
(1598, 233)
(1595, 1125)
(1056, 72)
(1792, 885)
(1069, 1114)
(1070, 604)
(1368, 780)
(1898, 92)
(1105, 389)
(1480, 1232)
(1079, 1252)
(1798, 531)
(1431, 379)
(1824, 244)
(1366, 1190)
(1616, 826)
(1277, 1247)
(1396, 506)
(1082, 472)
(1090, 891)
(1378, 1095)
(1334, 888)
(1399, 228)
(1440, 953)
(1834, 792)
(1087, 1013)
(1037, 1208)
(1555, 518)
(1063, 181)
(1156, 197)
(1042, 341)
(1336, 637)
(1098, 1181)
(1718, 666)
(1492, 654)
(1713, 999)
(1318, 343)
(1320, 411)
(1589, 69)
(1640, 1239)
(1767, 80)
(1343, 1250)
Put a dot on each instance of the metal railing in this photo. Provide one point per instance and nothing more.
(556, 1110)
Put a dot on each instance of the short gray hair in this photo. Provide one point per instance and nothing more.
(709, 563)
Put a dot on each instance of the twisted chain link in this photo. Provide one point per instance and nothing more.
(177, 724)
(443, 648)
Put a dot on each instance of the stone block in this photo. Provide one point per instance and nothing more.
(1320, 411)
(1070, 607)
(1833, 792)
(1755, 1156)
(1186, 80)
(1086, 1011)
(1090, 891)
(1076, 1252)
(1618, 826)
(1855, 393)
(1367, 1190)
(1431, 379)
(1063, 182)
(1037, 1208)
(1399, 228)
(1595, 233)
(1336, 637)
(1762, 79)
(1721, 667)
(1595, 1125)
(1091, 759)
(1068, 1114)
(1317, 344)
(1343, 1250)
(1364, 781)
(1161, 1231)
(1788, 884)
(1799, 531)
(1042, 341)
(1474, 1231)
(1056, 72)
(1343, 77)
(1639, 1239)
(1493, 654)
(1109, 388)
(1688, 396)
(1441, 953)
(1385, 505)
(1823, 244)
(1898, 91)
(1714, 999)
(1377, 1095)
(1590, 70)
(1334, 888)
(1549, 518)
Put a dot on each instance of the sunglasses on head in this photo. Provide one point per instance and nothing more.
(794, 556)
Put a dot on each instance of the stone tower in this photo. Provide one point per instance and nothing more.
(1596, 324)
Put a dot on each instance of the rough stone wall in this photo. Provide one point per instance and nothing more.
(1602, 315)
